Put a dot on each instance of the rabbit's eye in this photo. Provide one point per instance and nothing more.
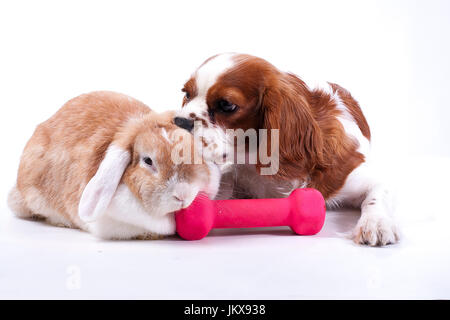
(148, 161)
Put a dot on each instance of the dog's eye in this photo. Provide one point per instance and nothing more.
(148, 161)
(187, 95)
(226, 106)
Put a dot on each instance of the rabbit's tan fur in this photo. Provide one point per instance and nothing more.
(103, 129)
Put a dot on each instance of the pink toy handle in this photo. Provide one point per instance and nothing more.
(303, 211)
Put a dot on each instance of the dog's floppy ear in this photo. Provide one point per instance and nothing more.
(285, 107)
(100, 190)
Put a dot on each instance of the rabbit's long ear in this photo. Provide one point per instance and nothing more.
(100, 190)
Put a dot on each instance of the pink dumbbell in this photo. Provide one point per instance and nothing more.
(303, 211)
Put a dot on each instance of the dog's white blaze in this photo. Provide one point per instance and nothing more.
(206, 76)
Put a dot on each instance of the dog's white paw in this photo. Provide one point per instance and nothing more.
(376, 230)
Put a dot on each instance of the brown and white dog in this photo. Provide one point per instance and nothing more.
(324, 138)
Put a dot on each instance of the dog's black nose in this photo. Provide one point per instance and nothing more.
(184, 123)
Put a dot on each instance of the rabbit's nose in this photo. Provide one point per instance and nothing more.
(184, 123)
(182, 192)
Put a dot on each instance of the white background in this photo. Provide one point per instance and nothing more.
(392, 55)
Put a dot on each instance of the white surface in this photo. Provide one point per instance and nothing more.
(41, 261)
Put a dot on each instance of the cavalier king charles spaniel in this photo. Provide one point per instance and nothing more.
(323, 138)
